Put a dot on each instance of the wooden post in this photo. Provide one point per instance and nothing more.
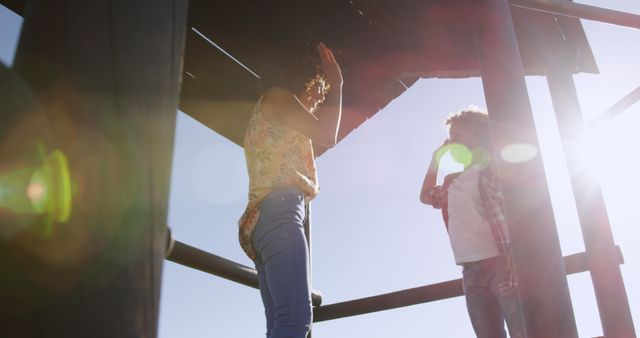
(107, 74)
(611, 296)
(560, 59)
(540, 272)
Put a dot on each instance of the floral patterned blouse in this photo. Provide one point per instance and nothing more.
(277, 156)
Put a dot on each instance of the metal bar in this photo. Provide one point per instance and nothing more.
(620, 106)
(419, 295)
(611, 296)
(576, 10)
(226, 53)
(575, 263)
(546, 302)
(207, 262)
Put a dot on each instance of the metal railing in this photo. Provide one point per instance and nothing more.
(195, 258)
(625, 103)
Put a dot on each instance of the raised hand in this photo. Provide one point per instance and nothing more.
(330, 66)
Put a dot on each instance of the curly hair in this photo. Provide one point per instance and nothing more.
(293, 71)
(475, 117)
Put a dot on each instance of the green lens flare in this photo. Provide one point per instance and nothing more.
(461, 154)
(13, 191)
(42, 190)
(55, 181)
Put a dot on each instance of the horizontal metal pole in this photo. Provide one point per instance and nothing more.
(419, 295)
(575, 10)
(620, 106)
(195, 258)
(573, 264)
(207, 262)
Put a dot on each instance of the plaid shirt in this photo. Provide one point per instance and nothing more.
(492, 202)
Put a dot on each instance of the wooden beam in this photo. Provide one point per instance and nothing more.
(539, 269)
(580, 11)
(107, 74)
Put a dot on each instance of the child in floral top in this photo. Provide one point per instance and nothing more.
(282, 178)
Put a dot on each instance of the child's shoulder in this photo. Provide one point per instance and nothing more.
(449, 179)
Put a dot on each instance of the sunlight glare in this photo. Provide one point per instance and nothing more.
(518, 153)
(35, 191)
(604, 142)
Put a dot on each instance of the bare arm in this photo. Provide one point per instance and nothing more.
(432, 174)
(429, 182)
(321, 127)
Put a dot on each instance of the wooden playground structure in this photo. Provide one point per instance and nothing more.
(108, 83)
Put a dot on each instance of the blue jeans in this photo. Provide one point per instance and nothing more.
(492, 297)
(282, 263)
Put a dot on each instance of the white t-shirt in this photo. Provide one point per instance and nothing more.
(469, 232)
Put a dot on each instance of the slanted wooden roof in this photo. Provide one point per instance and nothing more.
(383, 47)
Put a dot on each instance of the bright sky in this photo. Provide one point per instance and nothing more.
(371, 235)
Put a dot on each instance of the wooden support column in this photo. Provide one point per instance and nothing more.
(560, 59)
(107, 74)
(539, 269)
(611, 296)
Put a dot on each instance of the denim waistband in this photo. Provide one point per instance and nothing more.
(280, 199)
(284, 191)
(485, 261)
